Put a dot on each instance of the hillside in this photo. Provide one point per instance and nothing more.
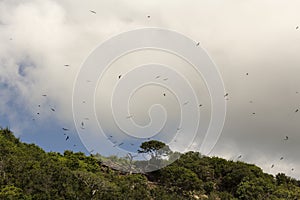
(28, 172)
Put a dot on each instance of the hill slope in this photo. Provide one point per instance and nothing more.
(27, 172)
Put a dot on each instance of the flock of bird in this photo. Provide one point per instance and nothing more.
(226, 96)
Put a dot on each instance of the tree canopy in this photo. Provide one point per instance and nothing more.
(28, 172)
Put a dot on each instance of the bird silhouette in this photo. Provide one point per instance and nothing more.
(198, 43)
(200, 105)
(164, 94)
(253, 113)
(165, 79)
(239, 156)
(120, 76)
(185, 103)
(296, 110)
(38, 113)
(281, 158)
(92, 11)
(148, 16)
(157, 77)
(286, 138)
(247, 73)
(67, 138)
(65, 129)
(67, 65)
(44, 95)
(272, 166)
(53, 109)
(297, 27)
(226, 95)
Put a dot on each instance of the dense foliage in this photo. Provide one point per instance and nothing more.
(27, 172)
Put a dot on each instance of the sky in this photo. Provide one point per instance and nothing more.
(259, 37)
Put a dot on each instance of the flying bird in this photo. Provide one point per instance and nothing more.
(272, 166)
(247, 73)
(165, 79)
(157, 77)
(281, 158)
(239, 156)
(226, 95)
(53, 109)
(120, 76)
(148, 16)
(39, 105)
(121, 143)
(67, 138)
(67, 65)
(198, 43)
(200, 105)
(286, 138)
(253, 113)
(185, 103)
(296, 110)
(65, 129)
(292, 169)
(44, 95)
(38, 113)
(297, 27)
(164, 94)
(92, 11)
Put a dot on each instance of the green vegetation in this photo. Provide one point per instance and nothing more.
(27, 172)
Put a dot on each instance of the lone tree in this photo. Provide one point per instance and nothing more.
(155, 149)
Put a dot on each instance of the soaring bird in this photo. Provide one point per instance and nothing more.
(67, 65)
(281, 158)
(148, 16)
(44, 95)
(82, 124)
(297, 110)
(198, 43)
(253, 113)
(121, 143)
(200, 105)
(272, 166)
(185, 103)
(247, 73)
(292, 169)
(164, 94)
(286, 138)
(67, 138)
(120, 76)
(157, 77)
(165, 79)
(53, 109)
(39, 105)
(92, 11)
(226, 95)
(65, 129)
(38, 113)
(297, 27)
(239, 156)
